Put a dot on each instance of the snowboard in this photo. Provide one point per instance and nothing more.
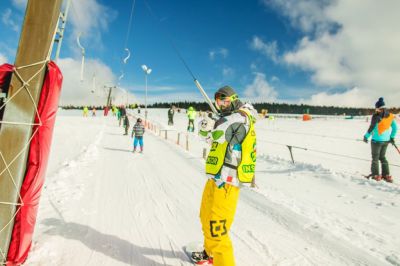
(193, 247)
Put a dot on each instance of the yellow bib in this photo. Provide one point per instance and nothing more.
(246, 168)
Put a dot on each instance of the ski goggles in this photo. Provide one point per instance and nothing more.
(223, 100)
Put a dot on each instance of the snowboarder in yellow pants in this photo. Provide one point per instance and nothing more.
(229, 164)
(217, 211)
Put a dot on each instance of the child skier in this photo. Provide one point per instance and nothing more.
(138, 131)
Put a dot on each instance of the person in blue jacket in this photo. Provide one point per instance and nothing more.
(383, 129)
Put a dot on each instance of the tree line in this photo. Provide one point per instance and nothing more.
(270, 107)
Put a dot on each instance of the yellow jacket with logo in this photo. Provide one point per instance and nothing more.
(232, 154)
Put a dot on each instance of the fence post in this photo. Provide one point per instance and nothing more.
(253, 182)
(187, 142)
(179, 136)
(204, 153)
(166, 134)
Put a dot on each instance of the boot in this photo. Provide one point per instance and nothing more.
(377, 177)
(208, 262)
(198, 256)
(388, 178)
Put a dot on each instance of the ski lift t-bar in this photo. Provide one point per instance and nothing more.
(205, 96)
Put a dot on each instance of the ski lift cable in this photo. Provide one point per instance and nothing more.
(130, 24)
(197, 83)
(83, 54)
(125, 60)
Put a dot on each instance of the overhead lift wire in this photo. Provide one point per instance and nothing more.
(196, 82)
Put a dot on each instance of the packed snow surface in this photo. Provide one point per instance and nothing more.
(104, 205)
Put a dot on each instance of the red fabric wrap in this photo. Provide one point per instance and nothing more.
(36, 167)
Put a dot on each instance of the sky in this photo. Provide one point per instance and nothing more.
(320, 52)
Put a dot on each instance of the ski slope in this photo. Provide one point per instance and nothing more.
(104, 205)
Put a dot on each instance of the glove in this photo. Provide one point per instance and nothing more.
(392, 141)
(207, 124)
(365, 139)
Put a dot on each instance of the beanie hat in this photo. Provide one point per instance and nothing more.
(228, 91)
(225, 91)
(380, 103)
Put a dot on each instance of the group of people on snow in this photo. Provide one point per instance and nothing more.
(232, 158)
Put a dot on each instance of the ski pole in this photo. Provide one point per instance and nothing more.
(395, 146)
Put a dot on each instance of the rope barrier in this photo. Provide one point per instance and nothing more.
(323, 152)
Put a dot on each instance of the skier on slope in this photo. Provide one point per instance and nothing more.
(138, 132)
(171, 112)
(230, 162)
(383, 129)
(191, 114)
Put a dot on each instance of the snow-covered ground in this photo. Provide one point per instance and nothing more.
(104, 205)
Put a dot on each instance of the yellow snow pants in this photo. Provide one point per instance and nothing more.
(218, 207)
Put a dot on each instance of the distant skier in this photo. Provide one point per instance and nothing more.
(126, 124)
(85, 111)
(383, 129)
(230, 162)
(94, 111)
(191, 114)
(138, 132)
(122, 114)
(171, 112)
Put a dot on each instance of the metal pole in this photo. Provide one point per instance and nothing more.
(145, 99)
(206, 96)
(64, 17)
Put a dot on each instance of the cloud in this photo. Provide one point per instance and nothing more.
(270, 49)
(78, 92)
(20, 4)
(347, 44)
(306, 15)
(6, 18)
(223, 52)
(260, 90)
(90, 18)
(274, 79)
(228, 72)
(3, 59)
(351, 98)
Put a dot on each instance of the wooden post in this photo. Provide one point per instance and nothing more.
(35, 43)
(204, 153)
(187, 142)
(179, 136)
(253, 182)
(166, 134)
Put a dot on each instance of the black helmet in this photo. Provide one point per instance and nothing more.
(227, 93)
(139, 120)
